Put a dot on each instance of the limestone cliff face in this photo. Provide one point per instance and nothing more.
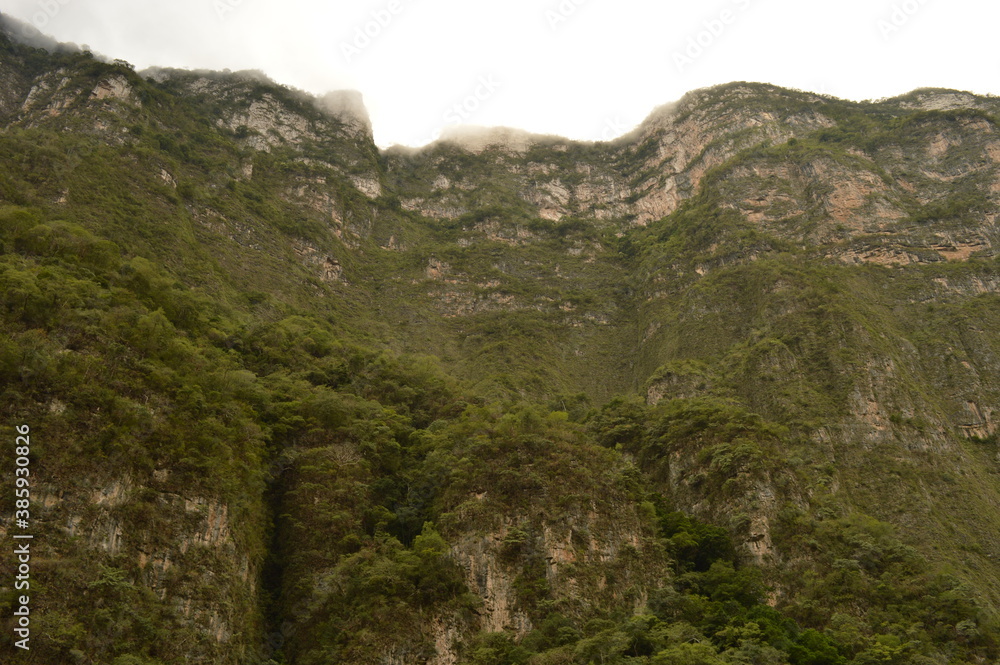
(645, 175)
(190, 562)
(577, 555)
(603, 555)
(633, 180)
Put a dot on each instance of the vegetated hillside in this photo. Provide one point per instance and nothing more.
(720, 391)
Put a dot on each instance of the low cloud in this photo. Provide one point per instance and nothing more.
(25, 33)
(345, 103)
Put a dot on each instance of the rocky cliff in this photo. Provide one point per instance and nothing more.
(504, 397)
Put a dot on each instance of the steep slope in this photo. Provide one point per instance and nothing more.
(718, 391)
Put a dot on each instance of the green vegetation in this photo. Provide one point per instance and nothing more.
(296, 400)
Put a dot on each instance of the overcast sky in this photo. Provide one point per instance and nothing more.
(586, 69)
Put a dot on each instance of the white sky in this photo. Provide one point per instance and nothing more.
(586, 69)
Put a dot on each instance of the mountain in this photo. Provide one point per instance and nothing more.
(723, 390)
